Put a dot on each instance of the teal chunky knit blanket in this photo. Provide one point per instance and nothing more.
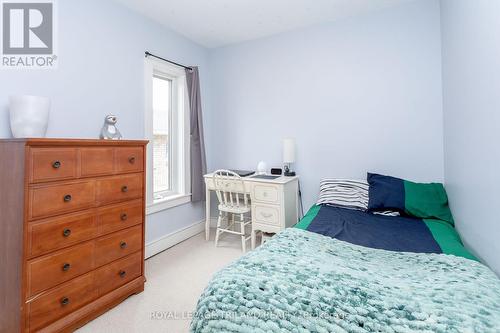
(305, 282)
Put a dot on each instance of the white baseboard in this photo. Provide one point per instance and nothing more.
(167, 241)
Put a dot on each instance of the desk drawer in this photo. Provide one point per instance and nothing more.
(118, 245)
(119, 216)
(61, 301)
(51, 270)
(118, 273)
(266, 193)
(52, 200)
(57, 233)
(119, 188)
(267, 214)
(49, 164)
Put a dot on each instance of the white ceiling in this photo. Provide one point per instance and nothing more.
(215, 23)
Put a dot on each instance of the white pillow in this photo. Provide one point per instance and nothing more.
(345, 193)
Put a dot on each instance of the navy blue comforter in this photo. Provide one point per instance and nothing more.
(381, 232)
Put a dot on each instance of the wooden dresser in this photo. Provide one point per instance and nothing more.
(71, 230)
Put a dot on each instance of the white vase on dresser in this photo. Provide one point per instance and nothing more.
(29, 116)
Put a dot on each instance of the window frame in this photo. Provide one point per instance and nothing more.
(179, 136)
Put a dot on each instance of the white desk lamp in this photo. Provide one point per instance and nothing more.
(288, 156)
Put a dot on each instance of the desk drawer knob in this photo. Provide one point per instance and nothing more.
(123, 245)
(67, 198)
(124, 217)
(122, 274)
(131, 160)
(66, 232)
(56, 164)
(125, 189)
(66, 267)
(266, 215)
(64, 301)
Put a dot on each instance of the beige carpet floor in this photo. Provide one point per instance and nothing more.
(175, 280)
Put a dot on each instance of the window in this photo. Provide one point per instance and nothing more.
(162, 97)
(167, 128)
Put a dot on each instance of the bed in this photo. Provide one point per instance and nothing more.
(346, 270)
(395, 233)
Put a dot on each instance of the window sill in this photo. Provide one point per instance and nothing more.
(167, 203)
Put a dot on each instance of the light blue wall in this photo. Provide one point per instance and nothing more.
(101, 52)
(471, 100)
(362, 94)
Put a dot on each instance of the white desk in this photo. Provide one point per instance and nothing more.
(275, 203)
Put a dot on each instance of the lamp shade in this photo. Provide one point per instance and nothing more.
(289, 150)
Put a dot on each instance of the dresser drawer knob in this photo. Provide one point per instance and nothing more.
(64, 301)
(122, 274)
(56, 164)
(66, 267)
(66, 232)
(125, 189)
(123, 245)
(124, 217)
(67, 198)
(131, 160)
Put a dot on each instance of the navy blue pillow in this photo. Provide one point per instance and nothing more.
(385, 193)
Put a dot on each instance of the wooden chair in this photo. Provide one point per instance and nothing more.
(233, 200)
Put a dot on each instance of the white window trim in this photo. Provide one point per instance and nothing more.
(181, 128)
(170, 202)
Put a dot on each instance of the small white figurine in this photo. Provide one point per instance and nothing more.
(109, 130)
(261, 168)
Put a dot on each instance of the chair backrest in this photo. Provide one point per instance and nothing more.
(230, 188)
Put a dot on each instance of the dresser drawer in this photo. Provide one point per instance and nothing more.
(267, 214)
(57, 233)
(119, 216)
(61, 301)
(119, 272)
(53, 200)
(96, 161)
(48, 164)
(266, 193)
(129, 159)
(61, 266)
(118, 245)
(119, 188)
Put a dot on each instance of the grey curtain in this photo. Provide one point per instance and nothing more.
(198, 158)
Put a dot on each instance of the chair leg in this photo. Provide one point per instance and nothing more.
(217, 231)
(254, 232)
(243, 237)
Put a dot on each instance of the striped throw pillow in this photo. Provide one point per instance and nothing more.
(344, 193)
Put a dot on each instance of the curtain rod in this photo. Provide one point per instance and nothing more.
(169, 61)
